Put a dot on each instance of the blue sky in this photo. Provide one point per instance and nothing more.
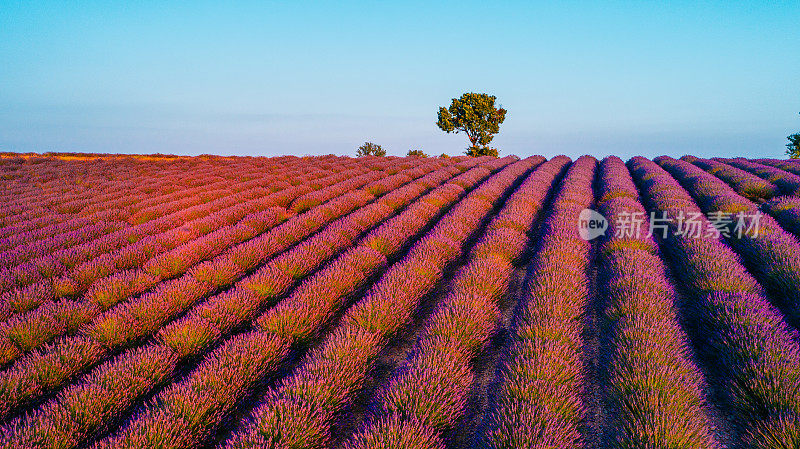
(270, 78)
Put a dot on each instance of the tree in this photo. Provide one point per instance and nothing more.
(418, 153)
(477, 117)
(370, 149)
(793, 147)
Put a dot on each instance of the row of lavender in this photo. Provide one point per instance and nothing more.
(784, 175)
(32, 189)
(161, 205)
(650, 381)
(117, 184)
(540, 402)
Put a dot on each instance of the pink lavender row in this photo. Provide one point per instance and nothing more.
(216, 196)
(41, 223)
(650, 381)
(24, 219)
(137, 199)
(201, 327)
(426, 395)
(234, 178)
(342, 172)
(192, 197)
(38, 326)
(28, 270)
(49, 266)
(29, 330)
(35, 328)
(789, 183)
(334, 280)
(146, 240)
(514, 222)
(156, 198)
(60, 226)
(263, 285)
(53, 228)
(186, 199)
(131, 322)
(39, 248)
(539, 403)
(744, 183)
(31, 224)
(131, 194)
(40, 198)
(771, 253)
(220, 175)
(738, 335)
(310, 254)
(129, 248)
(65, 205)
(318, 197)
(132, 191)
(300, 317)
(109, 331)
(31, 219)
(45, 175)
(75, 258)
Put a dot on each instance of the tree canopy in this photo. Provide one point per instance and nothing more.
(418, 153)
(370, 149)
(476, 116)
(793, 147)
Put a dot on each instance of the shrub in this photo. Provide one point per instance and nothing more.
(370, 149)
(477, 151)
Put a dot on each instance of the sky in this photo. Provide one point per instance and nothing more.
(267, 78)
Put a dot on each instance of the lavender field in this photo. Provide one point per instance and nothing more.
(384, 302)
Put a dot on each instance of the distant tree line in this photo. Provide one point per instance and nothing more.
(373, 149)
